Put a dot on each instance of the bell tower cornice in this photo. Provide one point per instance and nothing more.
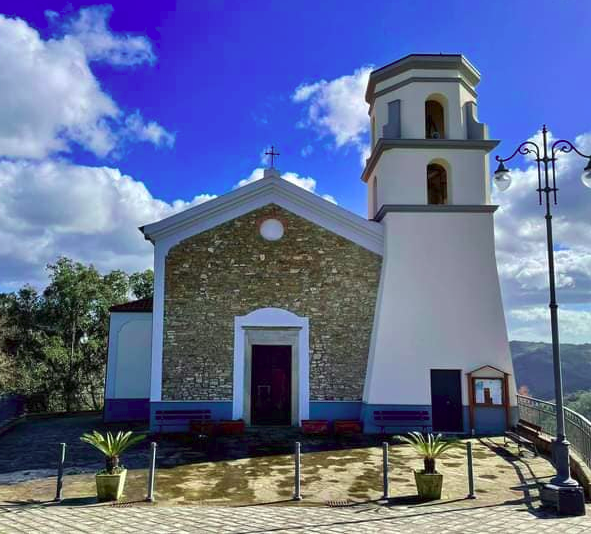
(434, 65)
(382, 145)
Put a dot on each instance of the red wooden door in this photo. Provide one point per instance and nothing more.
(271, 385)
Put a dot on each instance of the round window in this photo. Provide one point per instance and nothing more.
(271, 230)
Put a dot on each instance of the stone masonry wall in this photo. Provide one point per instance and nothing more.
(231, 270)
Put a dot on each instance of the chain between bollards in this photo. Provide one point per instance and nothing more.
(152, 473)
(471, 494)
(297, 496)
(60, 473)
(385, 469)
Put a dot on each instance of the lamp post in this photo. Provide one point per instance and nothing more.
(563, 492)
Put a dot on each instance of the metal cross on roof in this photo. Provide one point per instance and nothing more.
(272, 153)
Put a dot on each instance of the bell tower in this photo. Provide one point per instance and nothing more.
(427, 144)
(439, 304)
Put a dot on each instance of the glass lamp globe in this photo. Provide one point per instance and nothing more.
(586, 176)
(502, 177)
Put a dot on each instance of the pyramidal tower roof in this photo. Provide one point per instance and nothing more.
(434, 62)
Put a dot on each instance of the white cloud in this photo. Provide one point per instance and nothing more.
(151, 132)
(90, 27)
(520, 230)
(307, 151)
(50, 99)
(533, 324)
(337, 109)
(91, 214)
(305, 182)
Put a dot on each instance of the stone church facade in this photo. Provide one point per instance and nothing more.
(275, 306)
(231, 271)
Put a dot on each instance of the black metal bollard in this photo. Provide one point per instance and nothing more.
(60, 473)
(471, 494)
(152, 472)
(297, 495)
(385, 469)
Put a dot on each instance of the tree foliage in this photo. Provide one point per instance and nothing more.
(580, 402)
(53, 345)
(142, 284)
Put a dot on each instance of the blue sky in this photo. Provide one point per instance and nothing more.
(184, 97)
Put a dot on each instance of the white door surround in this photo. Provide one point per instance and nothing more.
(271, 326)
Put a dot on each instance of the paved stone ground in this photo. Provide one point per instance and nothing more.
(32, 447)
(288, 519)
(255, 472)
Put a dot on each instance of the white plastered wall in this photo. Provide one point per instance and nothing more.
(413, 97)
(402, 175)
(439, 306)
(130, 349)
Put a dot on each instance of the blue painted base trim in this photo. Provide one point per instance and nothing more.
(488, 421)
(219, 410)
(332, 410)
(492, 421)
(122, 410)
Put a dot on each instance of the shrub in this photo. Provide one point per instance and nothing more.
(112, 446)
(430, 448)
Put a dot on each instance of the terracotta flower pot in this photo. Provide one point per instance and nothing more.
(110, 487)
(315, 427)
(345, 427)
(429, 485)
(232, 428)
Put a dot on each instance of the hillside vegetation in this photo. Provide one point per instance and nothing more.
(532, 363)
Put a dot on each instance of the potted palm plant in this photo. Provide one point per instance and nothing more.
(111, 480)
(429, 481)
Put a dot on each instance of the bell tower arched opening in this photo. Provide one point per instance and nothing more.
(436, 184)
(434, 119)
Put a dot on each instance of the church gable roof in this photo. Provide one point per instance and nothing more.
(269, 190)
(136, 306)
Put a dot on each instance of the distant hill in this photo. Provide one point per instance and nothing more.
(533, 367)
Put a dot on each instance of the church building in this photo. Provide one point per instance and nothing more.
(275, 306)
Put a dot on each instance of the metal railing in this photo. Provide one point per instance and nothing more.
(543, 414)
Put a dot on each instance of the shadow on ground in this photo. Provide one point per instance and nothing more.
(33, 445)
(257, 470)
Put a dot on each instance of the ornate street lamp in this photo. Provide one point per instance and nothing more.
(563, 492)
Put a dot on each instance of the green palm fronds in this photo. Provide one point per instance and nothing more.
(112, 446)
(429, 447)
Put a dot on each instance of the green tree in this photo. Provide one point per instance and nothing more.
(56, 348)
(142, 284)
(24, 367)
(580, 402)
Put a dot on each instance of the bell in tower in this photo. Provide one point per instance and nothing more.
(434, 125)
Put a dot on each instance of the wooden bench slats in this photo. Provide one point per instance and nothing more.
(176, 417)
(393, 418)
(182, 412)
(529, 426)
(520, 441)
(402, 418)
(183, 416)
